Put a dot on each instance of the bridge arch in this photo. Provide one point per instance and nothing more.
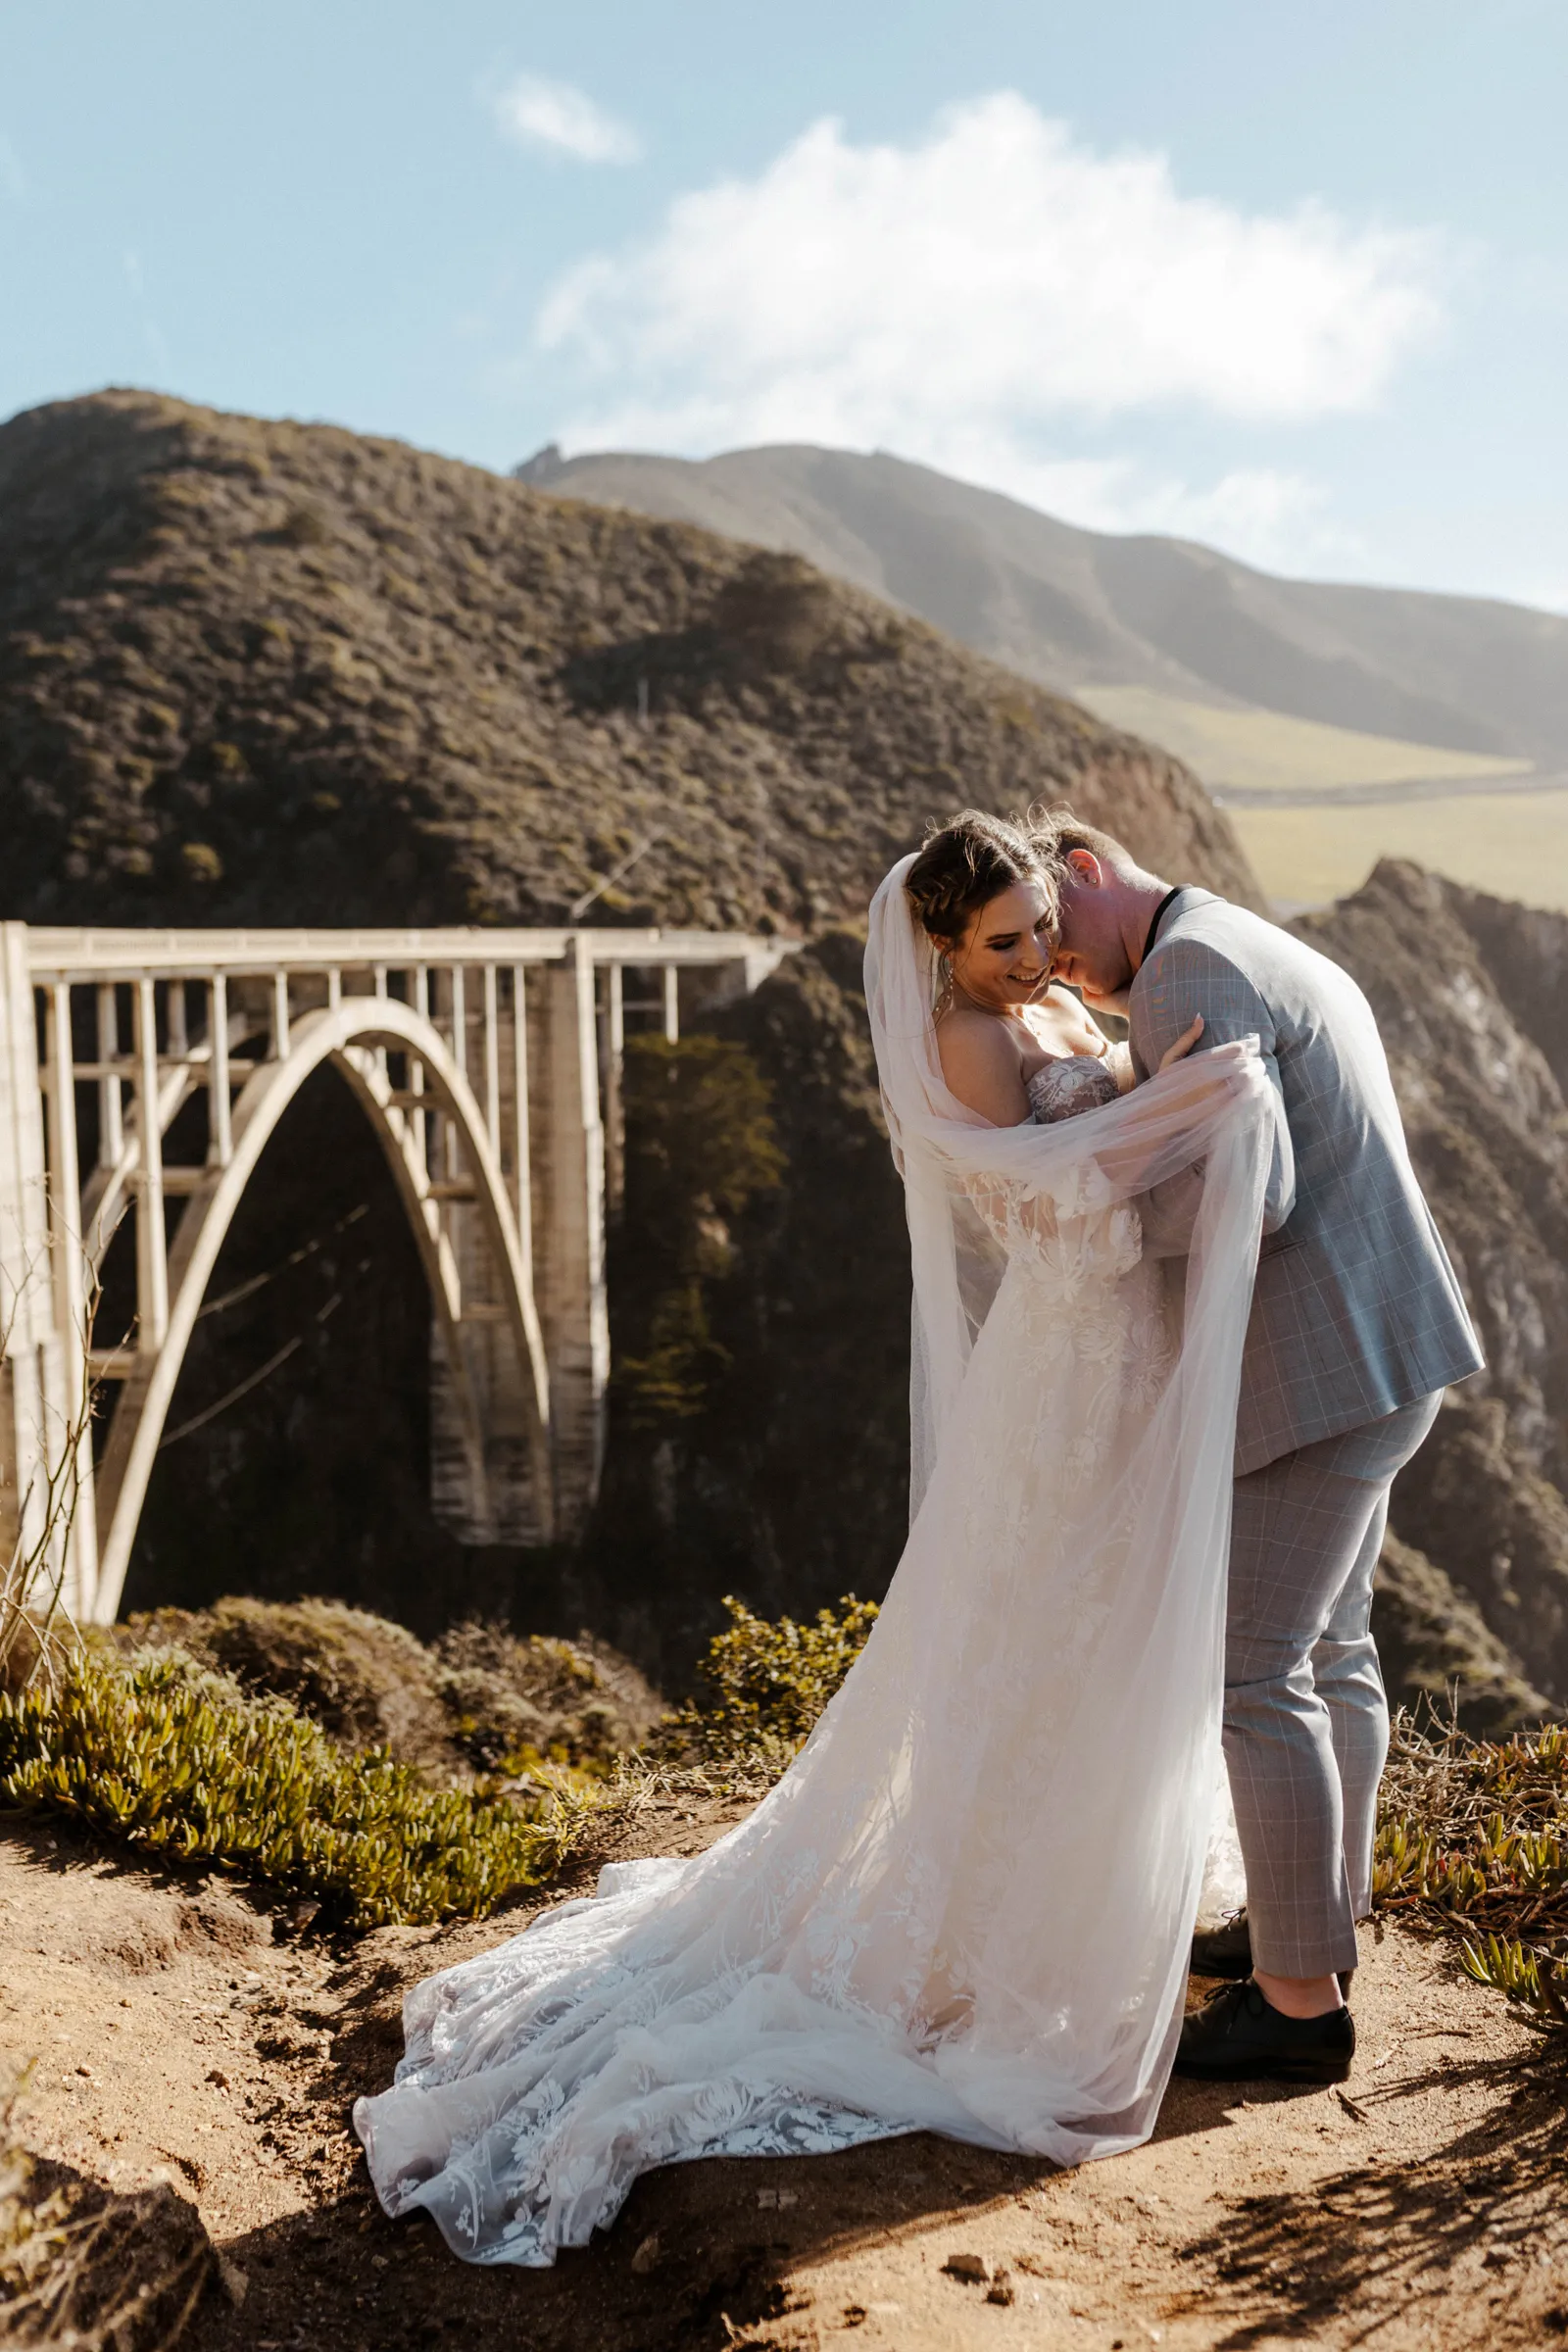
(354, 1037)
(488, 1063)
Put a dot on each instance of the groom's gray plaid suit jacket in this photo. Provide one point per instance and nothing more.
(1356, 1310)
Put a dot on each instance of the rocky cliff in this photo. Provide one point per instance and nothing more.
(1471, 994)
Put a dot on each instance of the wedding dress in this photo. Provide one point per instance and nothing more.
(1061, 1090)
(966, 1906)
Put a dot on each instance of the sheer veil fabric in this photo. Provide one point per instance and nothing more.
(966, 1906)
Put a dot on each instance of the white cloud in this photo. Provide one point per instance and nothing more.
(977, 289)
(551, 114)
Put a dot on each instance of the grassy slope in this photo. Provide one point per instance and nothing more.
(1513, 844)
(1265, 751)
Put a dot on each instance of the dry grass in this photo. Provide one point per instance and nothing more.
(1266, 750)
(1471, 1845)
(1513, 844)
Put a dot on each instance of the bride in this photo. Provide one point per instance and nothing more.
(966, 1908)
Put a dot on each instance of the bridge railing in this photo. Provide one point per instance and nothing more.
(489, 1064)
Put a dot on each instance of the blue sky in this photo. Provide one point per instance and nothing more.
(1292, 281)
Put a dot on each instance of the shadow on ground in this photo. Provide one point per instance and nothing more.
(1485, 2206)
(695, 2259)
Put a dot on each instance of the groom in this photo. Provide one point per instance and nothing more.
(1357, 1324)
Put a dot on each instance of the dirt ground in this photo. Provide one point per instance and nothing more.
(182, 2034)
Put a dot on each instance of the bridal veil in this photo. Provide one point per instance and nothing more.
(966, 1906)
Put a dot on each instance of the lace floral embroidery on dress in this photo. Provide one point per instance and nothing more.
(1077, 1081)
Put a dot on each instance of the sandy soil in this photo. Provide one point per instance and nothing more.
(182, 2034)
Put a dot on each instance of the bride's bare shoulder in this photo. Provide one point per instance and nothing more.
(981, 1066)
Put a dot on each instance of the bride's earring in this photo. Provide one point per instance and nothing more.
(945, 991)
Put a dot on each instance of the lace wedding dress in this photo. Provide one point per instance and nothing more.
(1061, 1090)
(966, 1906)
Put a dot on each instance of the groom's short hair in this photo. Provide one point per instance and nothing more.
(1059, 830)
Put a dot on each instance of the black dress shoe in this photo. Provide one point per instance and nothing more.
(1225, 1950)
(1238, 2036)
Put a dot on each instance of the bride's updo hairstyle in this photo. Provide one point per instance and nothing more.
(965, 864)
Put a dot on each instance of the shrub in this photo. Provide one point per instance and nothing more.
(481, 1698)
(366, 1681)
(777, 612)
(514, 1701)
(177, 1762)
(1471, 1845)
(302, 526)
(763, 1686)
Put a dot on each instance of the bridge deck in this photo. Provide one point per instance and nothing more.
(105, 952)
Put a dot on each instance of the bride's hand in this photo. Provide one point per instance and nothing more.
(1184, 1043)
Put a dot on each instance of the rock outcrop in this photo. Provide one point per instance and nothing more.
(1435, 1644)
(1471, 994)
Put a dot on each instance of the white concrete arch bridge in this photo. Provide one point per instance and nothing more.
(488, 1063)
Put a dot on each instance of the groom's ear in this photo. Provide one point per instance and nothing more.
(1086, 868)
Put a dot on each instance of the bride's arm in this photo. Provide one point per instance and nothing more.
(1018, 1200)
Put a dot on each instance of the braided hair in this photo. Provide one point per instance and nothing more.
(967, 862)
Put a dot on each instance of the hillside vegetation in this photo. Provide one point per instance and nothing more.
(271, 672)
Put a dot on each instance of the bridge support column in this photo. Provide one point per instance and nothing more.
(568, 1146)
(46, 1499)
(497, 1499)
